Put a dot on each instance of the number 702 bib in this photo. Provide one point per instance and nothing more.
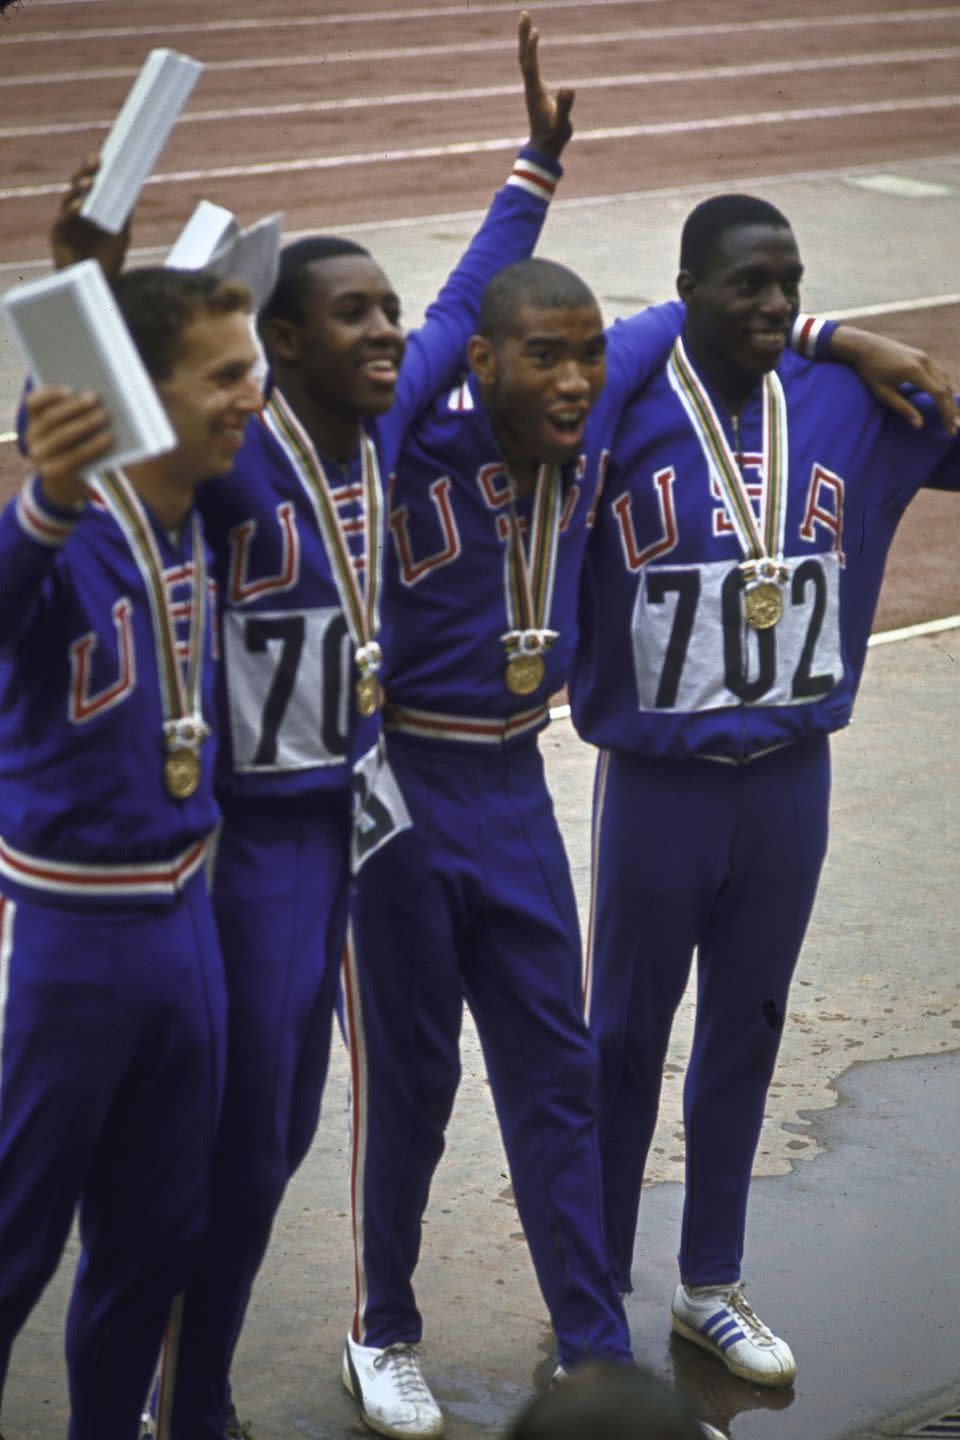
(693, 650)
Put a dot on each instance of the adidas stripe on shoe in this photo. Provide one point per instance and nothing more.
(720, 1319)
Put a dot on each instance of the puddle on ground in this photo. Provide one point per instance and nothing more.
(853, 1258)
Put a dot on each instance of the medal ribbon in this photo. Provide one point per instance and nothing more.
(759, 543)
(528, 585)
(361, 607)
(183, 723)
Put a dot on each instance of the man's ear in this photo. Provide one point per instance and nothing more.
(281, 339)
(482, 359)
(686, 284)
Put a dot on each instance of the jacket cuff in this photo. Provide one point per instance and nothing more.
(811, 337)
(536, 173)
(43, 521)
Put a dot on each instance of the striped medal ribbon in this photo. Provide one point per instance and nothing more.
(360, 605)
(763, 569)
(184, 728)
(529, 582)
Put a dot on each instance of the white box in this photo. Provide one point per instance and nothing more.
(212, 240)
(209, 227)
(138, 135)
(71, 331)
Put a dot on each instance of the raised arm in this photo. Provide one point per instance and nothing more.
(74, 238)
(65, 431)
(434, 354)
(548, 113)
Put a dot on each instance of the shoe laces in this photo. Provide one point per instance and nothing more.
(404, 1364)
(760, 1333)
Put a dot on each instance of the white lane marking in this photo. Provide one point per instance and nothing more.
(886, 58)
(882, 637)
(619, 37)
(910, 632)
(348, 17)
(901, 185)
(479, 147)
(149, 253)
(894, 307)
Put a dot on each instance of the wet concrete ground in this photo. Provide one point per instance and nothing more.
(853, 1255)
(855, 1212)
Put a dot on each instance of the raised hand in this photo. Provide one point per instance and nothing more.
(73, 238)
(883, 364)
(66, 431)
(549, 113)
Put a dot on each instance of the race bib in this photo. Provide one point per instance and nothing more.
(379, 809)
(289, 676)
(694, 650)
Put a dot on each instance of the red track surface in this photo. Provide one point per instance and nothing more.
(839, 82)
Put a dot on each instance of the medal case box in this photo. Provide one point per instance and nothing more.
(72, 333)
(212, 240)
(137, 136)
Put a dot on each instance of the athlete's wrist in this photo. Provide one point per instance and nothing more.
(813, 337)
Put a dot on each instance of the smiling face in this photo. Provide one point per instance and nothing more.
(539, 380)
(346, 348)
(741, 308)
(210, 393)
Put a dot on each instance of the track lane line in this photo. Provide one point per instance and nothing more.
(150, 253)
(607, 37)
(358, 159)
(866, 59)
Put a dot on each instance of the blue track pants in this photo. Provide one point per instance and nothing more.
(280, 892)
(724, 859)
(112, 1069)
(475, 902)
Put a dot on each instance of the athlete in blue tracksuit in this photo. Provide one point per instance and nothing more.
(112, 1004)
(728, 591)
(475, 900)
(296, 535)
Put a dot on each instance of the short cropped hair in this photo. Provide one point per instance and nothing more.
(606, 1401)
(285, 301)
(541, 283)
(712, 218)
(159, 304)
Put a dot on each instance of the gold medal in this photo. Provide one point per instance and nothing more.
(181, 772)
(366, 693)
(524, 673)
(763, 604)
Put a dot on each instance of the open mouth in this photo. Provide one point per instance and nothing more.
(566, 425)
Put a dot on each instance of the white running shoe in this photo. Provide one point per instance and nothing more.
(389, 1387)
(720, 1318)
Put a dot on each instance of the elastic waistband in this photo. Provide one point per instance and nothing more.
(467, 729)
(147, 880)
